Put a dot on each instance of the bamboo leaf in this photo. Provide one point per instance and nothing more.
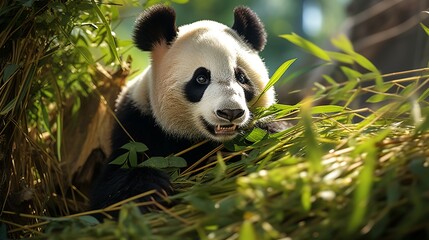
(110, 39)
(59, 134)
(256, 135)
(340, 57)
(85, 53)
(276, 76)
(326, 109)
(45, 117)
(247, 232)
(9, 107)
(426, 29)
(330, 80)
(9, 71)
(343, 43)
(350, 73)
(307, 45)
(369, 152)
(164, 162)
(306, 196)
(313, 150)
(363, 189)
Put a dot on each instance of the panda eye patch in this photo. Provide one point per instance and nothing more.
(240, 76)
(195, 88)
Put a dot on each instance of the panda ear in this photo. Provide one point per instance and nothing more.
(155, 25)
(248, 25)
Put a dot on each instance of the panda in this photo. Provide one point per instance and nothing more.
(203, 82)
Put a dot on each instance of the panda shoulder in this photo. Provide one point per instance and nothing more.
(135, 93)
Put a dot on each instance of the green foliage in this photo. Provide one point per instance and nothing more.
(131, 159)
(276, 76)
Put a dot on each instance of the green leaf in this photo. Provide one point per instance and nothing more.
(330, 80)
(326, 109)
(6, 109)
(45, 118)
(423, 126)
(307, 45)
(363, 188)
(424, 95)
(180, 1)
(426, 29)
(350, 73)
(278, 73)
(343, 43)
(110, 39)
(85, 53)
(202, 202)
(256, 135)
(340, 57)
(164, 162)
(59, 134)
(365, 63)
(247, 231)
(9, 70)
(369, 152)
(220, 168)
(176, 162)
(313, 150)
(377, 98)
(135, 146)
(306, 196)
(133, 158)
(89, 220)
(121, 160)
(276, 76)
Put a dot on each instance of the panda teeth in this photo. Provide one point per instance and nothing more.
(225, 129)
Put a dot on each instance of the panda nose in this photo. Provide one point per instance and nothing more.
(230, 114)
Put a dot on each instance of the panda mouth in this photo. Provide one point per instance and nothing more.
(220, 130)
(225, 129)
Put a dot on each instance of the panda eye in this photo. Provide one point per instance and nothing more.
(202, 79)
(241, 77)
(201, 76)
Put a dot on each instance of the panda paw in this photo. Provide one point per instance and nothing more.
(118, 184)
(275, 126)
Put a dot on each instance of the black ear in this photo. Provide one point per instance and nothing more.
(248, 25)
(155, 25)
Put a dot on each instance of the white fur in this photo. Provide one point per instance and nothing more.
(201, 44)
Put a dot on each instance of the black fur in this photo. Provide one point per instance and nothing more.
(248, 25)
(115, 183)
(155, 25)
(246, 84)
(194, 90)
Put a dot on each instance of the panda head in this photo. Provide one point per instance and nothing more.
(205, 77)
